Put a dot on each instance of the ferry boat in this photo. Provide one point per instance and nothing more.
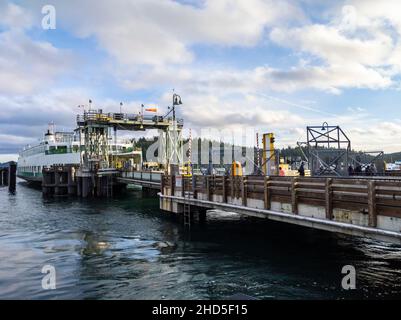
(65, 148)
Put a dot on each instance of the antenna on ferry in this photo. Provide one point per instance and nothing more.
(82, 106)
(90, 104)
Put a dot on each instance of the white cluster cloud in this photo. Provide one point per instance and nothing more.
(26, 64)
(14, 16)
(355, 48)
(358, 48)
(155, 32)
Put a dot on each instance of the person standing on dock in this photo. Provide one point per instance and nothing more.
(350, 170)
(301, 170)
(373, 169)
(281, 172)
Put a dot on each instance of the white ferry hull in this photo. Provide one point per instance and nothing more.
(62, 149)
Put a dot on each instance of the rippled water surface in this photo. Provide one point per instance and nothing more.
(125, 248)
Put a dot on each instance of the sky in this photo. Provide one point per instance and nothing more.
(275, 66)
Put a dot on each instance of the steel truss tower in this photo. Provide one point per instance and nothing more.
(96, 153)
(327, 150)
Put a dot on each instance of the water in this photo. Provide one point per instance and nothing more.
(125, 248)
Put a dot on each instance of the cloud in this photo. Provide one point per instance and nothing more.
(26, 64)
(376, 136)
(208, 80)
(24, 119)
(358, 46)
(333, 46)
(156, 32)
(14, 16)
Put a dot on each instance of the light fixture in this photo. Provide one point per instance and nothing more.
(176, 100)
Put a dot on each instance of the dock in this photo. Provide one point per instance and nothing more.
(359, 206)
(355, 206)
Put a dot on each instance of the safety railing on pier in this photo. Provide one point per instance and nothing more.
(97, 116)
(370, 196)
(143, 176)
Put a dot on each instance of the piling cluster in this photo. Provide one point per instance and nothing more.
(8, 175)
(71, 180)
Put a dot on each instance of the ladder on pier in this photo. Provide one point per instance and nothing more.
(187, 207)
(187, 215)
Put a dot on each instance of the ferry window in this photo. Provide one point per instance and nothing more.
(62, 149)
(58, 150)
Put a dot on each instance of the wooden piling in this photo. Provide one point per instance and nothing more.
(372, 210)
(172, 184)
(329, 198)
(194, 186)
(224, 189)
(5, 177)
(47, 178)
(294, 199)
(85, 186)
(208, 188)
(232, 187)
(182, 186)
(79, 186)
(99, 186)
(72, 186)
(56, 182)
(267, 199)
(244, 191)
(12, 176)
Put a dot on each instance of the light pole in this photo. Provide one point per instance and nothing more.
(325, 126)
(121, 105)
(176, 101)
(175, 154)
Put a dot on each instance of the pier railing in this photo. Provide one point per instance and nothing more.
(369, 196)
(143, 175)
